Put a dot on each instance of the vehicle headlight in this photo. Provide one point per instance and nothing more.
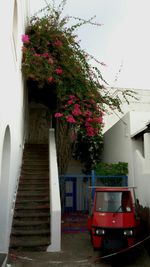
(99, 231)
(128, 232)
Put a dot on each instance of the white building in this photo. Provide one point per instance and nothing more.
(14, 122)
(13, 19)
(122, 142)
(128, 140)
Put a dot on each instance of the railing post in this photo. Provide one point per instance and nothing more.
(55, 206)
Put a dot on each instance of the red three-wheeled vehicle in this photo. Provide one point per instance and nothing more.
(114, 223)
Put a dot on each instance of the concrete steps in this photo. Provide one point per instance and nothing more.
(31, 222)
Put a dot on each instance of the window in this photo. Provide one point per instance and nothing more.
(113, 201)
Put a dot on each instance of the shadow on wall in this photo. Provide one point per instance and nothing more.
(144, 214)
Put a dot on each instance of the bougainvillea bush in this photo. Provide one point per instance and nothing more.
(53, 59)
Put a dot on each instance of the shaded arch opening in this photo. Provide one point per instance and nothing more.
(4, 186)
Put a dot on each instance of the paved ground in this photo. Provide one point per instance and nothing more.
(77, 251)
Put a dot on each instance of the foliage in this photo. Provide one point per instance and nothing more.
(120, 168)
(53, 59)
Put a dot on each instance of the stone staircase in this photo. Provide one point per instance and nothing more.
(31, 222)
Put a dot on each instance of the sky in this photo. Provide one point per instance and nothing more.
(122, 41)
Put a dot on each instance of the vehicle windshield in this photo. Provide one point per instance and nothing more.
(113, 201)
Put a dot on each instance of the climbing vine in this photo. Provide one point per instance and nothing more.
(54, 65)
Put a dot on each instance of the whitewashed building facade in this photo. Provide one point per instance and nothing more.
(13, 19)
(128, 140)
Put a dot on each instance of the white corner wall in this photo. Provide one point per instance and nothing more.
(118, 147)
(142, 172)
(12, 106)
(121, 143)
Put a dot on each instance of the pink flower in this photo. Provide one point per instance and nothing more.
(77, 106)
(50, 79)
(25, 38)
(59, 71)
(72, 97)
(76, 112)
(87, 124)
(70, 119)
(90, 131)
(37, 55)
(88, 113)
(99, 120)
(70, 102)
(58, 115)
(58, 43)
(89, 119)
(46, 55)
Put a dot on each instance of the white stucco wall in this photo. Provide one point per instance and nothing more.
(12, 106)
(117, 145)
(121, 143)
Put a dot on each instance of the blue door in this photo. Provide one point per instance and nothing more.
(70, 194)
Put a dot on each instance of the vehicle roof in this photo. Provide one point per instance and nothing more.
(112, 189)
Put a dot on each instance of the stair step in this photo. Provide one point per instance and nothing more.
(35, 173)
(30, 232)
(34, 194)
(36, 227)
(32, 206)
(35, 168)
(33, 176)
(34, 164)
(34, 182)
(30, 214)
(29, 187)
(29, 242)
(30, 222)
(31, 200)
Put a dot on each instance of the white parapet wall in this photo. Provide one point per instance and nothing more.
(55, 206)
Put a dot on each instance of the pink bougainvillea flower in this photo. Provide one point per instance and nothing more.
(37, 55)
(87, 124)
(90, 131)
(59, 71)
(46, 55)
(58, 43)
(77, 106)
(58, 115)
(88, 113)
(70, 102)
(70, 119)
(72, 97)
(50, 79)
(89, 119)
(99, 120)
(25, 38)
(76, 112)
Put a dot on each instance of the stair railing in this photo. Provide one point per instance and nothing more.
(55, 206)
